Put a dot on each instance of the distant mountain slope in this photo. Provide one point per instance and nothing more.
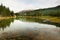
(54, 11)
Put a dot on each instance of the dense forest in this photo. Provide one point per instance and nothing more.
(54, 11)
(4, 11)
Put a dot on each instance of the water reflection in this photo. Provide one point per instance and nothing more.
(23, 23)
(21, 28)
(30, 19)
(38, 21)
(5, 23)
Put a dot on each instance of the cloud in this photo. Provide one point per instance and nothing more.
(18, 5)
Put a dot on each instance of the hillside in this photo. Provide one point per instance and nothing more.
(54, 11)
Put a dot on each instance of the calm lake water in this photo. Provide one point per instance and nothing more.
(28, 29)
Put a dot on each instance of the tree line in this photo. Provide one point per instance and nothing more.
(54, 11)
(5, 11)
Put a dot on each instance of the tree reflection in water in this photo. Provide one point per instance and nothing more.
(5, 23)
(38, 21)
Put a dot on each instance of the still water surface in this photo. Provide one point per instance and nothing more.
(24, 26)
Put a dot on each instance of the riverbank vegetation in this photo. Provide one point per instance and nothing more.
(46, 14)
(5, 12)
(46, 18)
(49, 14)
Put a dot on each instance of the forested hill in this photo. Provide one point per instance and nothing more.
(54, 11)
(5, 11)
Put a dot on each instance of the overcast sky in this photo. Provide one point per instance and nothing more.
(18, 5)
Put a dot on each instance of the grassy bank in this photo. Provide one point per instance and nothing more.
(49, 18)
(52, 19)
(2, 18)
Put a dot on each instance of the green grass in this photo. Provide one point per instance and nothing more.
(50, 18)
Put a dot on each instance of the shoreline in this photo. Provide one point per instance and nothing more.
(47, 18)
(2, 18)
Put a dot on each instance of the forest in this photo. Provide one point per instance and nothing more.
(54, 11)
(5, 12)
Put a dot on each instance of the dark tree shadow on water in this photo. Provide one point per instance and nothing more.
(5, 23)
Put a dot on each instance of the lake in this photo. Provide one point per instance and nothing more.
(28, 29)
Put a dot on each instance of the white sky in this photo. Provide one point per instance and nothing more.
(18, 5)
